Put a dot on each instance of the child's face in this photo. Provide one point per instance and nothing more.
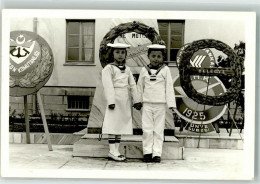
(156, 58)
(119, 55)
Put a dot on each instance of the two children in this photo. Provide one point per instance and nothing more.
(154, 89)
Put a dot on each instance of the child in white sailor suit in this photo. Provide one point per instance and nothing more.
(155, 87)
(119, 86)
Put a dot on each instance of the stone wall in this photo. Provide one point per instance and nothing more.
(54, 101)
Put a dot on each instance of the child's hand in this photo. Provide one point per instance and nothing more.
(172, 108)
(111, 106)
(138, 106)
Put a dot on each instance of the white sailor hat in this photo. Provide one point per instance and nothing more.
(118, 45)
(156, 46)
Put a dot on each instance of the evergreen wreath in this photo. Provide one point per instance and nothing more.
(123, 28)
(38, 74)
(234, 71)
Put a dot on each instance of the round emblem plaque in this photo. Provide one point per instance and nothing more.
(187, 68)
(31, 63)
(191, 111)
(199, 116)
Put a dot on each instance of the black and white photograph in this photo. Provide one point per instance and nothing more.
(122, 94)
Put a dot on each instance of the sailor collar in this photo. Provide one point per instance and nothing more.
(153, 76)
(120, 67)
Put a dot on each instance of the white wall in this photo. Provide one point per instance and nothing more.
(54, 32)
(24, 24)
(229, 32)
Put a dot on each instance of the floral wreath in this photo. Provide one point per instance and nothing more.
(38, 74)
(234, 71)
(123, 28)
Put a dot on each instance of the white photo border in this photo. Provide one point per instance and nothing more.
(249, 19)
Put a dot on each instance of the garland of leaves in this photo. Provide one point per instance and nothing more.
(186, 71)
(121, 29)
(39, 74)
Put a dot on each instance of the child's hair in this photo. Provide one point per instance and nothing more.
(111, 54)
(162, 50)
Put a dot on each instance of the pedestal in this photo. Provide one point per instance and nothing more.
(130, 146)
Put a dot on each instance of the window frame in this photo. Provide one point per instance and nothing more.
(169, 35)
(78, 109)
(79, 62)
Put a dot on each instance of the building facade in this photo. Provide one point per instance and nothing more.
(75, 45)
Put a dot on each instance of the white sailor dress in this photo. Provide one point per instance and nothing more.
(119, 89)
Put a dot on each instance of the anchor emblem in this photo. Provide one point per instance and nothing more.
(12, 52)
(20, 49)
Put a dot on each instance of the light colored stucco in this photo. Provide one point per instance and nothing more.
(54, 32)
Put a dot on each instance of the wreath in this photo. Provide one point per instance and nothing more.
(123, 28)
(234, 72)
(38, 74)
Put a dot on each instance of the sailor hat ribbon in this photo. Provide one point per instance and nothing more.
(118, 45)
(156, 46)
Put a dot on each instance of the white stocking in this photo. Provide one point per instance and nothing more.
(112, 145)
(117, 144)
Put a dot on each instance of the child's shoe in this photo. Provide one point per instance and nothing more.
(119, 158)
(157, 159)
(147, 158)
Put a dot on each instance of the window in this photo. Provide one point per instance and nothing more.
(172, 33)
(78, 103)
(80, 41)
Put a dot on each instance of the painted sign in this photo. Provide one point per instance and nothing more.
(203, 58)
(190, 110)
(31, 63)
(200, 128)
(198, 115)
(188, 65)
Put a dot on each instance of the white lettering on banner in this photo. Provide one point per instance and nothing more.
(206, 78)
(211, 57)
(12, 67)
(30, 62)
(122, 36)
(199, 128)
(137, 35)
(133, 35)
(196, 77)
